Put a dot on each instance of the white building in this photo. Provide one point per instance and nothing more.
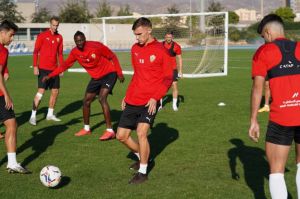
(246, 15)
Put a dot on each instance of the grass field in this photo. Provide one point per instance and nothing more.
(194, 149)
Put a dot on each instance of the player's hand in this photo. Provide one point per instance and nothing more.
(180, 75)
(151, 106)
(123, 104)
(46, 78)
(36, 71)
(6, 76)
(61, 74)
(121, 79)
(254, 131)
(8, 102)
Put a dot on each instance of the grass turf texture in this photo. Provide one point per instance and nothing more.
(193, 148)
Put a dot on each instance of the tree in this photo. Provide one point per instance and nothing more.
(42, 16)
(173, 9)
(215, 7)
(75, 11)
(233, 17)
(8, 10)
(104, 9)
(171, 22)
(286, 14)
(124, 11)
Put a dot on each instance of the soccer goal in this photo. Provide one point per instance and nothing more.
(203, 38)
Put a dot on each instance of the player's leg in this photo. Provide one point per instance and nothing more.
(144, 152)
(278, 142)
(88, 99)
(54, 85)
(175, 95)
(266, 107)
(36, 102)
(297, 149)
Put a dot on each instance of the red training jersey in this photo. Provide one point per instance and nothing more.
(176, 49)
(3, 61)
(152, 73)
(47, 48)
(97, 59)
(285, 90)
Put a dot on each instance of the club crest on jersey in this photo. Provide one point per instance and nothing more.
(152, 58)
(93, 56)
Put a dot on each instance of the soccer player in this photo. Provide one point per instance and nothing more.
(151, 80)
(48, 47)
(266, 107)
(279, 61)
(7, 115)
(104, 68)
(174, 50)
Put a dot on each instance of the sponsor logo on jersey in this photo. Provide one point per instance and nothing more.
(93, 56)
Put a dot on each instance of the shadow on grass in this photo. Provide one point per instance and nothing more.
(255, 165)
(65, 180)
(41, 139)
(160, 137)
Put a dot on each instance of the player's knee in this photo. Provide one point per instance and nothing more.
(102, 99)
(87, 102)
(11, 125)
(121, 137)
(38, 96)
(141, 135)
(55, 91)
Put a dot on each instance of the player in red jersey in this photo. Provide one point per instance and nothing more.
(174, 50)
(7, 115)
(279, 61)
(104, 68)
(151, 80)
(48, 47)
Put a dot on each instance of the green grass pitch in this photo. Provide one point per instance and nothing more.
(194, 149)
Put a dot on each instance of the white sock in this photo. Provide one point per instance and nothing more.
(50, 112)
(277, 186)
(298, 179)
(174, 102)
(138, 155)
(110, 130)
(161, 102)
(33, 113)
(143, 168)
(12, 159)
(86, 127)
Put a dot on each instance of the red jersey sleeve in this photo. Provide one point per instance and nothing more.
(177, 49)
(167, 77)
(67, 64)
(60, 52)
(106, 52)
(37, 47)
(259, 63)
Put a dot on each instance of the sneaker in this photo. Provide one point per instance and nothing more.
(18, 169)
(138, 178)
(53, 118)
(175, 108)
(159, 108)
(32, 121)
(107, 135)
(266, 108)
(82, 132)
(135, 166)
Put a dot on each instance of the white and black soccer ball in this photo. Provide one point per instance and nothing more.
(50, 176)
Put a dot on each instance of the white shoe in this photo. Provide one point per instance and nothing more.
(17, 169)
(175, 108)
(159, 108)
(53, 118)
(32, 121)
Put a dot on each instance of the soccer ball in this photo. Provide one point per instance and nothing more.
(50, 176)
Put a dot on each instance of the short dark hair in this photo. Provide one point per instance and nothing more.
(143, 21)
(8, 25)
(79, 33)
(169, 32)
(267, 19)
(55, 18)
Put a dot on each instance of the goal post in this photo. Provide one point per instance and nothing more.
(203, 38)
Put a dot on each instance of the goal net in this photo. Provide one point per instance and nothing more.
(203, 39)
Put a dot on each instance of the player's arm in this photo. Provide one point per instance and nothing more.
(67, 64)
(36, 51)
(179, 61)
(60, 53)
(106, 52)
(8, 101)
(256, 95)
(6, 74)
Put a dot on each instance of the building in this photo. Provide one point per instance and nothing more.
(246, 15)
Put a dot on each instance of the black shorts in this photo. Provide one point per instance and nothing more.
(4, 113)
(132, 115)
(107, 81)
(282, 135)
(175, 75)
(52, 83)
